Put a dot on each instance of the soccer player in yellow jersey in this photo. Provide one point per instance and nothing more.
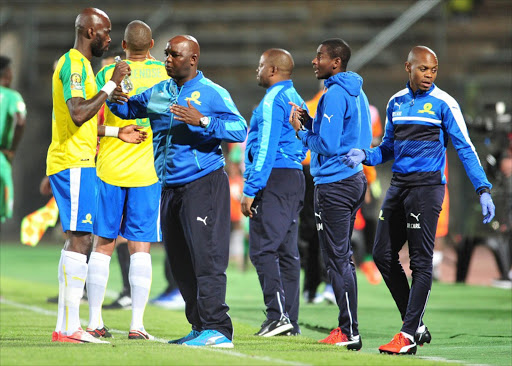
(70, 160)
(128, 193)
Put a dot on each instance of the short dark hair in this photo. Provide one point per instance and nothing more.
(4, 63)
(336, 47)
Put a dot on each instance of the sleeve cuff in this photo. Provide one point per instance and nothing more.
(301, 133)
(483, 190)
(209, 125)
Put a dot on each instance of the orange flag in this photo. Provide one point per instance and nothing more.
(34, 225)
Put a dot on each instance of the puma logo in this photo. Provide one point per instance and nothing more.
(319, 215)
(417, 217)
(399, 104)
(255, 209)
(212, 340)
(328, 117)
(202, 220)
(267, 104)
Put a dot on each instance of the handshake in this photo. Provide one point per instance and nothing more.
(353, 158)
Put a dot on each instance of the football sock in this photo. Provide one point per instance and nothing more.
(74, 269)
(140, 283)
(421, 329)
(61, 308)
(97, 278)
(437, 258)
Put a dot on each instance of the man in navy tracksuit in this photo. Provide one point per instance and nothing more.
(419, 120)
(342, 122)
(274, 193)
(189, 116)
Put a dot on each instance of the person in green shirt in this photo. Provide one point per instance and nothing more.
(12, 124)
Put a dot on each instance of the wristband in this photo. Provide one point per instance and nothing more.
(109, 87)
(111, 131)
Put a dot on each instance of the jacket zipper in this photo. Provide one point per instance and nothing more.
(197, 160)
(167, 142)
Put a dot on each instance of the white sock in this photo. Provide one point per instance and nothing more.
(236, 247)
(421, 329)
(140, 283)
(97, 278)
(74, 269)
(408, 336)
(61, 309)
(437, 258)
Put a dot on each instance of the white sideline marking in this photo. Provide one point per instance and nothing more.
(37, 309)
(441, 359)
(253, 357)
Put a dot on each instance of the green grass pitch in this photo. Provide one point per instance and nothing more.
(469, 325)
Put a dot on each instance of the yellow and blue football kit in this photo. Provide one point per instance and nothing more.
(128, 188)
(72, 146)
(121, 164)
(70, 159)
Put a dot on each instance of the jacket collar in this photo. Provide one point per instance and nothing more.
(283, 82)
(191, 82)
(420, 93)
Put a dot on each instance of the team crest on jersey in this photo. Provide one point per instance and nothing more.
(427, 109)
(88, 219)
(143, 122)
(194, 97)
(76, 81)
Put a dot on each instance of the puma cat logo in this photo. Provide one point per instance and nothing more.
(328, 117)
(416, 216)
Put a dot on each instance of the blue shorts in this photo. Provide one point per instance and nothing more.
(132, 212)
(75, 192)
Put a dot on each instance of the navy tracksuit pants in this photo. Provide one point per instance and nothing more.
(273, 236)
(336, 205)
(195, 220)
(408, 214)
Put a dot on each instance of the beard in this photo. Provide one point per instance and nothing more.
(181, 73)
(97, 48)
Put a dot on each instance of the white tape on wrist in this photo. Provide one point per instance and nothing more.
(109, 87)
(111, 131)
